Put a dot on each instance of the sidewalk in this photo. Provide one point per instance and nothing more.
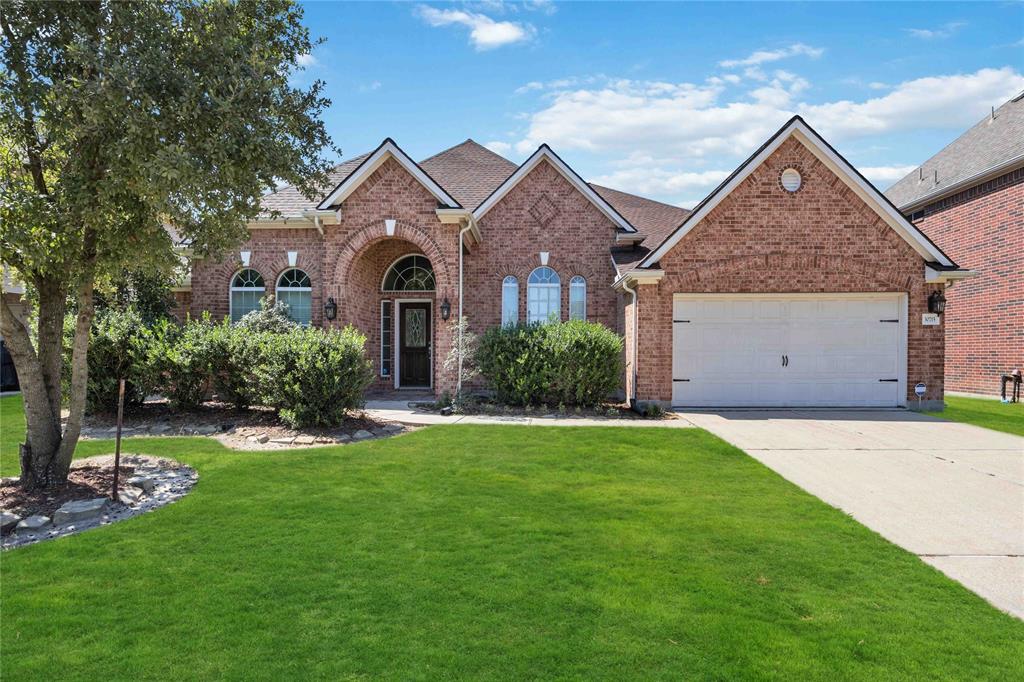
(399, 411)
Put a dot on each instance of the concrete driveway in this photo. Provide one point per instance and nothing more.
(951, 493)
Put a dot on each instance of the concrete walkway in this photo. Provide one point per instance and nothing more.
(399, 411)
(951, 493)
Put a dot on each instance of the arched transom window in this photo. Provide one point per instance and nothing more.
(410, 273)
(247, 291)
(295, 290)
(543, 296)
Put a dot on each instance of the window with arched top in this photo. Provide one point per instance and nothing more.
(295, 290)
(410, 273)
(578, 298)
(543, 296)
(247, 289)
(509, 301)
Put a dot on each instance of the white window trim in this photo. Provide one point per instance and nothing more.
(387, 271)
(583, 280)
(380, 370)
(530, 286)
(505, 284)
(232, 289)
(278, 289)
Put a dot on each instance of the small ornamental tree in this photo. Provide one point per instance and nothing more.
(116, 120)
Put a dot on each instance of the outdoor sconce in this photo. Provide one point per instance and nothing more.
(330, 309)
(446, 309)
(937, 303)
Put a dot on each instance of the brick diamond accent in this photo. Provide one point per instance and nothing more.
(544, 210)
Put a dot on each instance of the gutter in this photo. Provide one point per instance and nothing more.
(636, 336)
(469, 225)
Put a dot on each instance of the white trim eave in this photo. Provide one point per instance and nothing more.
(544, 153)
(981, 176)
(387, 149)
(817, 146)
(629, 237)
(460, 216)
(933, 276)
(638, 276)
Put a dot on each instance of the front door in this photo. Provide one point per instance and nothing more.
(414, 345)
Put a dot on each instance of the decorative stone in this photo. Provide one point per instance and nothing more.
(33, 524)
(393, 428)
(207, 429)
(131, 496)
(262, 438)
(286, 440)
(305, 440)
(80, 510)
(144, 482)
(8, 521)
(324, 439)
(446, 411)
(361, 434)
(342, 438)
(158, 429)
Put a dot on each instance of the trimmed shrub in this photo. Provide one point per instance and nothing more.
(570, 363)
(119, 348)
(313, 376)
(271, 317)
(182, 356)
(234, 354)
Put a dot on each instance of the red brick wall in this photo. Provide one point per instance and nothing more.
(762, 239)
(983, 229)
(576, 235)
(348, 261)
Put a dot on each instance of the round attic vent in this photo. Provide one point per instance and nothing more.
(791, 179)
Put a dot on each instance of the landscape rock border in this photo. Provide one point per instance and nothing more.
(166, 479)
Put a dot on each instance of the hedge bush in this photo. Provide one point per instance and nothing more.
(119, 345)
(234, 352)
(183, 356)
(313, 376)
(570, 363)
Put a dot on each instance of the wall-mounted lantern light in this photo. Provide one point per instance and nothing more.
(446, 309)
(330, 309)
(937, 303)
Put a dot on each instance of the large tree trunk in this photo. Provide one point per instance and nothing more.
(46, 454)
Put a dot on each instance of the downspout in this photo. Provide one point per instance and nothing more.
(636, 337)
(462, 232)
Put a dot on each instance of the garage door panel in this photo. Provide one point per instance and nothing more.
(836, 350)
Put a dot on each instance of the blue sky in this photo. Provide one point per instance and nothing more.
(664, 99)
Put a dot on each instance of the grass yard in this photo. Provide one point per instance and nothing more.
(991, 414)
(489, 552)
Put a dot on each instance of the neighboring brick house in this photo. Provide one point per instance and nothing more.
(969, 198)
(793, 283)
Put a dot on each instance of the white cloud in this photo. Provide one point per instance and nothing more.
(883, 176)
(945, 31)
(499, 147)
(669, 140)
(953, 102)
(484, 32)
(764, 56)
(369, 87)
(306, 60)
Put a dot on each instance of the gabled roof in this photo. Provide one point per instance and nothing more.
(544, 153)
(387, 149)
(654, 219)
(469, 171)
(995, 145)
(798, 128)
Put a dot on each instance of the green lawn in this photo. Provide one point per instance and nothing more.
(487, 552)
(991, 414)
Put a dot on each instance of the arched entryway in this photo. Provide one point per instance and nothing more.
(391, 287)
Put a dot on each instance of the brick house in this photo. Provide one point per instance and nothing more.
(969, 198)
(794, 283)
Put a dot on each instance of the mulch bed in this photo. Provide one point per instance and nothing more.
(84, 483)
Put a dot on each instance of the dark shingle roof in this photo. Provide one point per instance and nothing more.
(469, 171)
(992, 142)
(288, 201)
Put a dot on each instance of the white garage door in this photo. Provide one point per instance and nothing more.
(822, 350)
